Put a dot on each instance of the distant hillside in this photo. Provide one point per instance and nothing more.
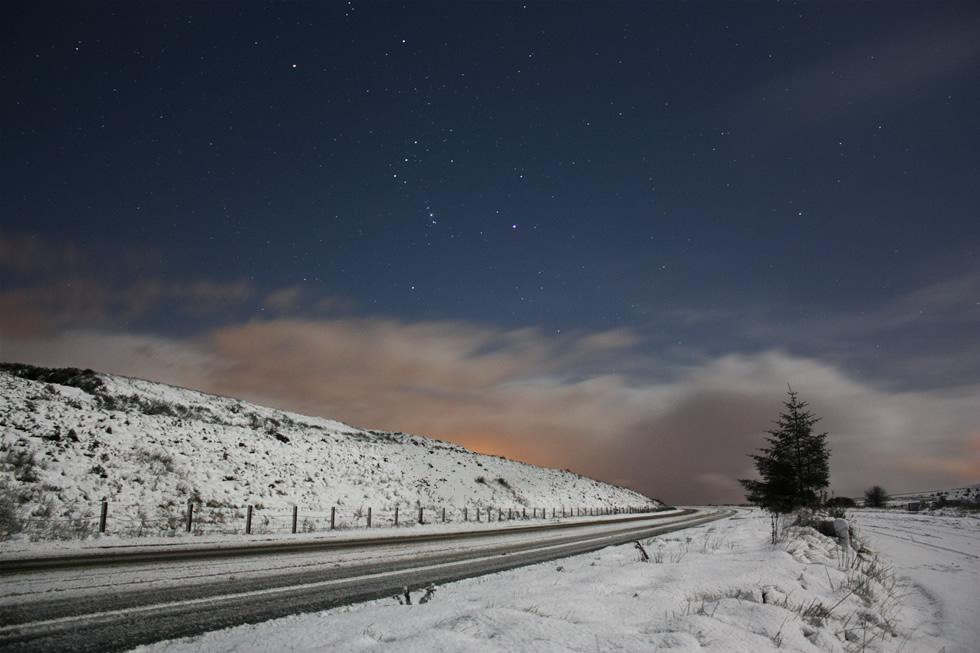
(71, 438)
(966, 493)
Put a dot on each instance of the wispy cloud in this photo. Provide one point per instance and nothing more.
(925, 339)
(885, 70)
(46, 307)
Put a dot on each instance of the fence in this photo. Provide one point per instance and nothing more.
(201, 519)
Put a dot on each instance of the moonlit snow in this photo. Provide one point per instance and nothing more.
(722, 586)
(719, 587)
(148, 447)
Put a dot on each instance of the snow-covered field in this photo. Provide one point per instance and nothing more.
(721, 587)
(937, 557)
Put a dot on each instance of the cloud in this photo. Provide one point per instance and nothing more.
(48, 306)
(508, 393)
(674, 424)
(924, 339)
(284, 300)
(885, 70)
(29, 253)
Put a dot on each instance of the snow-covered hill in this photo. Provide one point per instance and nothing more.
(969, 493)
(71, 438)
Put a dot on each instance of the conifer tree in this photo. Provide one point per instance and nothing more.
(794, 467)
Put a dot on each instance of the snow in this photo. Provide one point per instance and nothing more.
(722, 586)
(937, 557)
(113, 578)
(148, 448)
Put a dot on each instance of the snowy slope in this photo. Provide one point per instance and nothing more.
(71, 438)
(967, 493)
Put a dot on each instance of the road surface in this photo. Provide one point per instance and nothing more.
(135, 598)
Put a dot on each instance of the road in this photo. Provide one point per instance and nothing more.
(126, 601)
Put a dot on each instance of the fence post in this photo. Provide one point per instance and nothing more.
(369, 518)
(248, 521)
(443, 515)
(333, 518)
(396, 515)
(102, 516)
(466, 516)
(190, 515)
(295, 514)
(420, 515)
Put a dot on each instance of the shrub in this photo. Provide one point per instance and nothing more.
(22, 463)
(158, 407)
(10, 520)
(875, 497)
(85, 380)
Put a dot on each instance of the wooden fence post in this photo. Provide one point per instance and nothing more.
(248, 520)
(443, 515)
(369, 518)
(190, 515)
(295, 515)
(420, 515)
(333, 518)
(102, 516)
(396, 515)
(466, 516)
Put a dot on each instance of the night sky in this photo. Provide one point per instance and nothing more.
(600, 236)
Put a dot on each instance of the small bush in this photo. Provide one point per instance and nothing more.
(875, 497)
(159, 461)
(158, 407)
(10, 518)
(23, 464)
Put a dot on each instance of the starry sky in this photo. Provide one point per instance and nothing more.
(603, 236)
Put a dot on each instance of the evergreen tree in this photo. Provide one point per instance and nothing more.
(794, 467)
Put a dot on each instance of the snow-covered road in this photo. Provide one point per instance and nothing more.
(720, 587)
(118, 605)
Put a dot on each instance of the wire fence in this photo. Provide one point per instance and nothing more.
(202, 519)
